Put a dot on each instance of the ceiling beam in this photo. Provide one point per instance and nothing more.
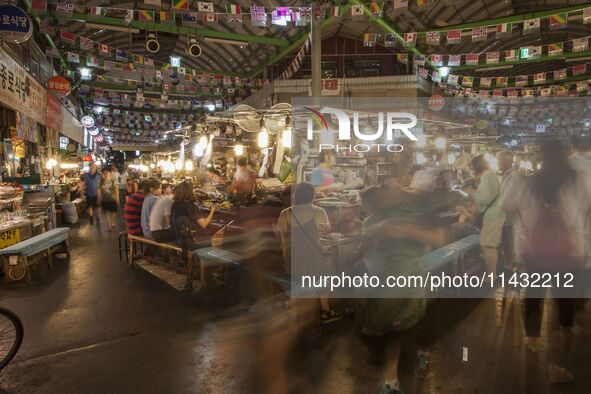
(173, 28)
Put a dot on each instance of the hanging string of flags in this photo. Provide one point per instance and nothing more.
(99, 56)
(493, 57)
(204, 12)
(580, 88)
(297, 61)
(500, 84)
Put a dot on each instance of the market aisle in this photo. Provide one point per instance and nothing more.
(97, 326)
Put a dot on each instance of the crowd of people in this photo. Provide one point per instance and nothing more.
(537, 223)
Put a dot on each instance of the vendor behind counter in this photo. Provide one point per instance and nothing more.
(322, 178)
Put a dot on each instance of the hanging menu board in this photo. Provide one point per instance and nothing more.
(19, 90)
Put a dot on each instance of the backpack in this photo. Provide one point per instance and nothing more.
(551, 242)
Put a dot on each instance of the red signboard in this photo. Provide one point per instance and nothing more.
(59, 86)
(53, 116)
(436, 102)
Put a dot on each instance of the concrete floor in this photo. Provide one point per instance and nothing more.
(97, 326)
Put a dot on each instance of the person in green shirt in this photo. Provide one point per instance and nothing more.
(487, 199)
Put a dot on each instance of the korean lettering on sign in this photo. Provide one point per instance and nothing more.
(19, 90)
(9, 237)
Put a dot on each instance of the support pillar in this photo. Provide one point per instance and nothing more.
(316, 56)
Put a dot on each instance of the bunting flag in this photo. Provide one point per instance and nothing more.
(454, 60)
(121, 55)
(452, 79)
(587, 15)
(137, 59)
(47, 27)
(410, 39)
(558, 21)
(109, 65)
(580, 44)
(521, 80)
(467, 81)
(204, 7)
(420, 60)
(233, 9)
(98, 11)
(67, 37)
(555, 49)
(471, 58)
(64, 8)
(511, 55)
(104, 49)
(375, 9)
(503, 30)
(400, 4)
(492, 57)
(145, 16)
(454, 36)
(486, 82)
(190, 18)
(582, 86)
(210, 17)
(389, 40)
(258, 16)
(579, 69)
(128, 16)
(157, 3)
(166, 17)
(369, 40)
(534, 52)
(357, 10)
(92, 61)
(479, 34)
(433, 38)
(560, 74)
(86, 44)
(437, 60)
(527, 93)
(38, 5)
(335, 11)
(235, 18)
(531, 26)
(502, 81)
(180, 5)
(402, 58)
(73, 57)
(540, 78)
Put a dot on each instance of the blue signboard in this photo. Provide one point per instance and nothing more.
(15, 24)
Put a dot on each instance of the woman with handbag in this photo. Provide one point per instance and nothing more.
(489, 218)
(109, 197)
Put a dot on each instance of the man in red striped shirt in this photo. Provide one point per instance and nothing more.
(133, 210)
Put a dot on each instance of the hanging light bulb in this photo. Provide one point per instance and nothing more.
(178, 165)
(188, 165)
(286, 136)
(199, 149)
(50, 163)
(238, 147)
(263, 137)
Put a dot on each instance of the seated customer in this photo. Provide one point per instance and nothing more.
(133, 210)
(160, 219)
(153, 192)
(183, 205)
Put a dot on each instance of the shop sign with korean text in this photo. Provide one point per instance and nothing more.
(53, 117)
(19, 90)
(59, 86)
(15, 24)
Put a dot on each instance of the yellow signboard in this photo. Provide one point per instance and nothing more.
(9, 238)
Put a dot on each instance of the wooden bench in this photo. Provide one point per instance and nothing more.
(32, 250)
(206, 259)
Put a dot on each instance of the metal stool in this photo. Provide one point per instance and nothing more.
(124, 246)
